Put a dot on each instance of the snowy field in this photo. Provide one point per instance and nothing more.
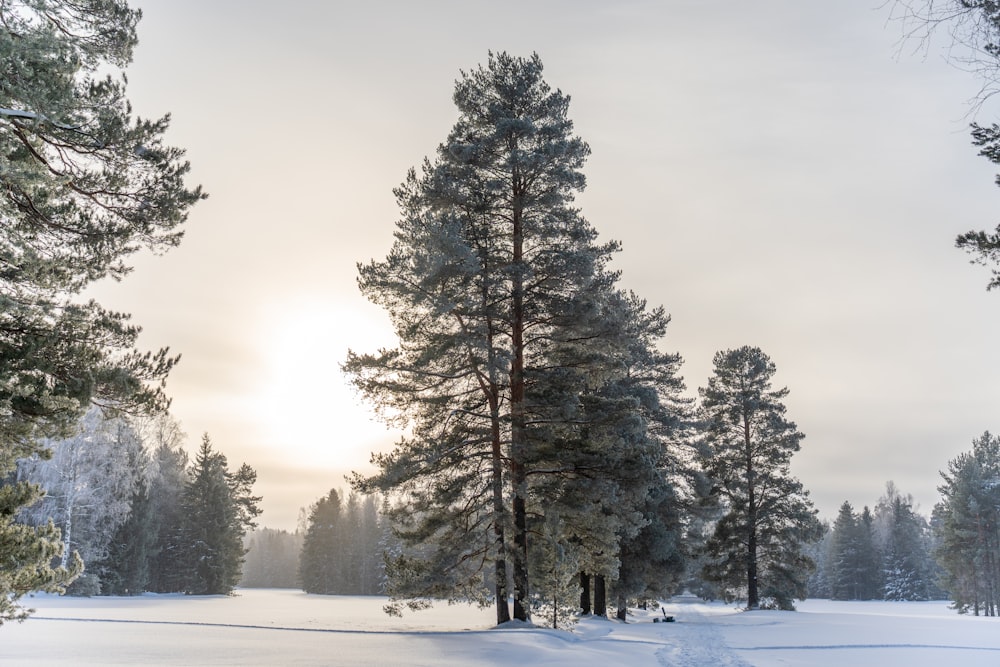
(284, 627)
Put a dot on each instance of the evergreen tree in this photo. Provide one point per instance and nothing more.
(905, 574)
(343, 547)
(170, 476)
(126, 569)
(767, 518)
(555, 568)
(84, 186)
(653, 561)
(369, 540)
(217, 511)
(974, 25)
(319, 569)
(623, 470)
(967, 523)
(492, 280)
(845, 558)
(869, 558)
(820, 552)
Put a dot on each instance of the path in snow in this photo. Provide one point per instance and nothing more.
(694, 639)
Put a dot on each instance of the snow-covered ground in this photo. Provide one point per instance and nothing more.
(284, 627)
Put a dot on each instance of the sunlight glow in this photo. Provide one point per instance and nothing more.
(305, 402)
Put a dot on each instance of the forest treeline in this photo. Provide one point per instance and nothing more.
(143, 518)
(140, 515)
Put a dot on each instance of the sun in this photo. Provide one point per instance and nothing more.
(304, 402)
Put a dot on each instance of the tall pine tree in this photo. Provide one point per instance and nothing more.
(492, 280)
(756, 549)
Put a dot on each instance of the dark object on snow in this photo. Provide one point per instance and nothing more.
(666, 619)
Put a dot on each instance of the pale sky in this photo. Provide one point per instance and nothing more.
(780, 174)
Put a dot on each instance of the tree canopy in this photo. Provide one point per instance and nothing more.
(83, 185)
(510, 327)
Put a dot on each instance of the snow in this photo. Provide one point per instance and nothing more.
(273, 626)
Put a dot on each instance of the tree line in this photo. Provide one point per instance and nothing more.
(886, 553)
(135, 514)
(337, 549)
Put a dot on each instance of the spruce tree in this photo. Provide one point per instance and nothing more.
(901, 537)
(85, 186)
(855, 564)
(756, 549)
(169, 478)
(904, 561)
(845, 563)
(869, 558)
(217, 511)
(126, 569)
(321, 566)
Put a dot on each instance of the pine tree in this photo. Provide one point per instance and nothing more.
(967, 522)
(974, 25)
(491, 279)
(757, 544)
(85, 186)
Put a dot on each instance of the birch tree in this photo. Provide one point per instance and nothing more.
(89, 482)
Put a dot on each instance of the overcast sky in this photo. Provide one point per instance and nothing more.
(780, 174)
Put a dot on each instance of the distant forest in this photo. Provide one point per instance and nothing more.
(142, 517)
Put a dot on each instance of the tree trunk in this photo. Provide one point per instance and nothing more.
(600, 596)
(622, 611)
(585, 593)
(499, 510)
(518, 434)
(753, 598)
(522, 610)
(67, 537)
